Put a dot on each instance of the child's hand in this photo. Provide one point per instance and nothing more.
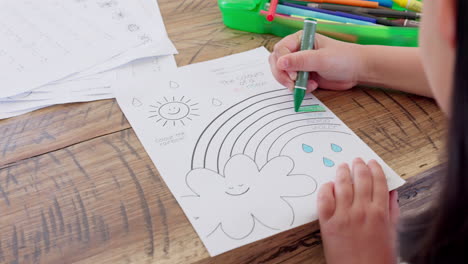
(357, 217)
(333, 64)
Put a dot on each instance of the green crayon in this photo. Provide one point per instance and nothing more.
(307, 43)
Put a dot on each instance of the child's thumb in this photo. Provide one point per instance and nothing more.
(307, 60)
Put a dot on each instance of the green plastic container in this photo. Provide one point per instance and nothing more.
(245, 15)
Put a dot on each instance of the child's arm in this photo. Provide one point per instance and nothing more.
(338, 65)
(398, 68)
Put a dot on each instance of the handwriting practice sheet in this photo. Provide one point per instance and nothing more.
(136, 25)
(225, 138)
(140, 19)
(52, 39)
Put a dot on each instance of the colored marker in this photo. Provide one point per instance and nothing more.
(370, 11)
(406, 23)
(265, 13)
(356, 16)
(379, 20)
(304, 3)
(348, 2)
(412, 5)
(386, 3)
(288, 10)
(307, 43)
(319, 20)
(334, 13)
(332, 34)
(272, 10)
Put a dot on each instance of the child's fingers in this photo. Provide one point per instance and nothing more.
(292, 75)
(291, 42)
(313, 82)
(280, 52)
(362, 182)
(312, 85)
(380, 193)
(343, 188)
(279, 75)
(307, 60)
(394, 207)
(321, 41)
(326, 201)
(333, 84)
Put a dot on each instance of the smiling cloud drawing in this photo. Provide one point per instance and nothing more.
(245, 196)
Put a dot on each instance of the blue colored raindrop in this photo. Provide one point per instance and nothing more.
(336, 148)
(328, 162)
(307, 148)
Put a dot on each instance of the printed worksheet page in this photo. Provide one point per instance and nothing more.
(224, 136)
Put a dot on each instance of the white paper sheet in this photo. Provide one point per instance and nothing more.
(225, 138)
(147, 67)
(91, 88)
(49, 40)
(150, 30)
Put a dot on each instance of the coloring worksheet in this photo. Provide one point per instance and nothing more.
(225, 138)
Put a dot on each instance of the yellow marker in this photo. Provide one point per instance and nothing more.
(412, 5)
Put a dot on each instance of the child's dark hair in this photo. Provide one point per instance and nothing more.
(440, 235)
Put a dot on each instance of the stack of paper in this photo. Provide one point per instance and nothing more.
(55, 51)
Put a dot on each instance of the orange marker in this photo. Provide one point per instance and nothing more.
(360, 3)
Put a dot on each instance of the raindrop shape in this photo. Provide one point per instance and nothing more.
(136, 102)
(336, 148)
(307, 148)
(216, 102)
(328, 162)
(173, 85)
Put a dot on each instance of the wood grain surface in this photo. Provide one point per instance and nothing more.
(76, 185)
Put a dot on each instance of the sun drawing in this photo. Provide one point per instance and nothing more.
(173, 112)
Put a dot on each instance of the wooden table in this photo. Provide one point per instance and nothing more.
(76, 185)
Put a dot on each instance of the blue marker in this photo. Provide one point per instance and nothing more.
(386, 3)
(334, 13)
(355, 16)
(288, 10)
